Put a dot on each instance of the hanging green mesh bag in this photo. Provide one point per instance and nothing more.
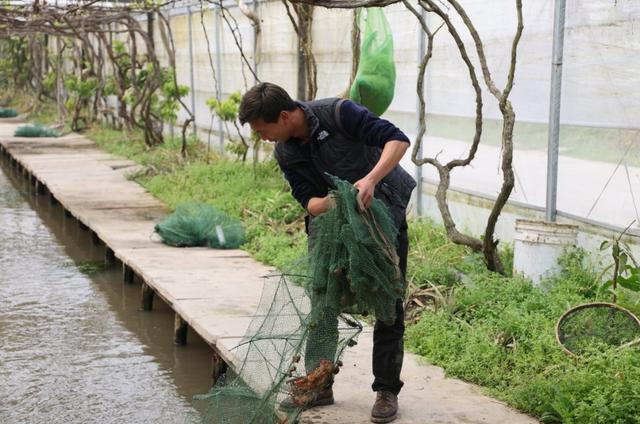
(36, 130)
(200, 224)
(375, 80)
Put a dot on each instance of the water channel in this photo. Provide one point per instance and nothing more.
(75, 346)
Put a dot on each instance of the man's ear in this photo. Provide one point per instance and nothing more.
(285, 115)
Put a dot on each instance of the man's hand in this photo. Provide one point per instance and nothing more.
(366, 189)
(319, 205)
(390, 157)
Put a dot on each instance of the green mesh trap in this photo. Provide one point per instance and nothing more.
(293, 345)
(35, 130)
(200, 224)
(8, 113)
(597, 326)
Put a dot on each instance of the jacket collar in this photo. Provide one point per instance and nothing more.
(316, 131)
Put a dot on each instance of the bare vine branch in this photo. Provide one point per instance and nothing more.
(347, 4)
(209, 54)
(237, 38)
(487, 245)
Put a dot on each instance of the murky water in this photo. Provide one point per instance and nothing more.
(74, 345)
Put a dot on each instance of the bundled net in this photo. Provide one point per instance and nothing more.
(200, 224)
(36, 130)
(375, 81)
(8, 113)
(293, 345)
(594, 326)
(353, 262)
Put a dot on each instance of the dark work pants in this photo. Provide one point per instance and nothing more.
(388, 340)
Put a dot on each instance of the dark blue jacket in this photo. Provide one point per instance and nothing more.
(345, 140)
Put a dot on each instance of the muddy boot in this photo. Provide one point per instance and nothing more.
(386, 407)
(324, 398)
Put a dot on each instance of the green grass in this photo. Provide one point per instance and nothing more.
(495, 331)
(42, 112)
(259, 195)
(500, 334)
(45, 113)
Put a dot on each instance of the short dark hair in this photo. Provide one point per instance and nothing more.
(264, 101)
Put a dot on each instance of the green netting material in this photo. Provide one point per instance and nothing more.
(374, 84)
(293, 345)
(353, 262)
(36, 130)
(200, 224)
(270, 360)
(8, 113)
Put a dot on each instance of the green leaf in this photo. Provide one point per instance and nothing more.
(630, 283)
(604, 245)
(622, 260)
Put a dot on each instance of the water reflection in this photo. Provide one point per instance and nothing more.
(75, 347)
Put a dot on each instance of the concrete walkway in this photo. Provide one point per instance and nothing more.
(216, 292)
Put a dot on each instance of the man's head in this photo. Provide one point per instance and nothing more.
(267, 108)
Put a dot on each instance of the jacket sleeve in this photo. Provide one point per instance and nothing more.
(363, 125)
(301, 189)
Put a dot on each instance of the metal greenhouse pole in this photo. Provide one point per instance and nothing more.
(554, 110)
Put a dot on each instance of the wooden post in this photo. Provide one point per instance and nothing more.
(40, 188)
(95, 239)
(180, 330)
(127, 274)
(218, 367)
(67, 213)
(109, 257)
(53, 199)
(82, 225)
(147, 297)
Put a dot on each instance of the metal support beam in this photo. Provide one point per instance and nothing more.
(191, 70)
(554, 110)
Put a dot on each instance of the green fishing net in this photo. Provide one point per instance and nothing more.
(293, 345)
(352, 261)
(8, 113)
(374, 84)
(35, 130)
(273, 378)
(200, 224)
